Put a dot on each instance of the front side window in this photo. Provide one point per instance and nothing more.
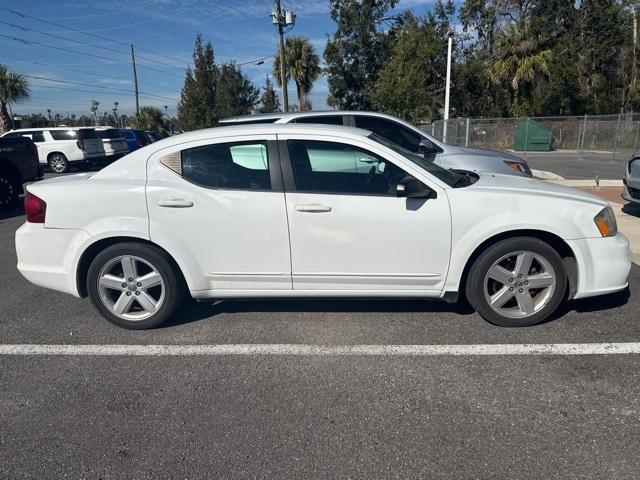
(328, 167)
(240, 166)
(398, 134)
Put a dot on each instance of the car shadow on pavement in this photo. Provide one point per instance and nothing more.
(12, 212)
(632, 209)
(192, 311)
(592, 304)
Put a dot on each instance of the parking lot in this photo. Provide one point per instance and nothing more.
(306, 415)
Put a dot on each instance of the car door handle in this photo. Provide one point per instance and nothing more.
(313, 208)
(175, 203)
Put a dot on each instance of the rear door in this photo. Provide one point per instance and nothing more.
(219, 206)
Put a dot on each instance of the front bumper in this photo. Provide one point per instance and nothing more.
(631, 192)
(603, 265)
(48, 257)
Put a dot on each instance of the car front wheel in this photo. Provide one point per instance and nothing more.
(517, 282)
(9, 191)
(134, 286)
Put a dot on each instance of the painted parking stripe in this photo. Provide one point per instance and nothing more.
(325, 350)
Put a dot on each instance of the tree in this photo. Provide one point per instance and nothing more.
(520, 61)
(150, 118)
(235, 94)
(14, 88)
(356, 51)
(269, 102)
(303, 67)
(197, 107)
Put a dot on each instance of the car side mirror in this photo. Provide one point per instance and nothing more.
(426, 147)
(410, 187)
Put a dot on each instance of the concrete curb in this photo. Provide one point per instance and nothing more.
(545, 175)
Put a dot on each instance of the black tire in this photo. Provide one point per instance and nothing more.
(9, 190)
(58, 163)
(475, 285)
(174, 288)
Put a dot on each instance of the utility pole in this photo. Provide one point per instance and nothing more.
(447, 87)
(135, 79)
(282, 19)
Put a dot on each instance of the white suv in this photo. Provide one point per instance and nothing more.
(62, 146)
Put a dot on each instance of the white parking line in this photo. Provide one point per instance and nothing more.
(326, 350)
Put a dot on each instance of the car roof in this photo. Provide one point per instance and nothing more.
(262, 129)
(36, 129)
(292, 115)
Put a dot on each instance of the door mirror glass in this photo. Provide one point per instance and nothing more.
(411, 187)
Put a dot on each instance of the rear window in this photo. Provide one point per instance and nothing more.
(87, 134)
(321, 119)
(128, 134)
(63, 134)
(111, 133)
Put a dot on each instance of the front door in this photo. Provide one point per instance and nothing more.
(350, 232)
(219, 206)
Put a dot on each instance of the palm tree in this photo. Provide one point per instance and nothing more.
(150, 118)
(303, 67)
(520, 60)
(14, 88)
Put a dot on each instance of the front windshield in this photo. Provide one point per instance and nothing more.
(447, 176)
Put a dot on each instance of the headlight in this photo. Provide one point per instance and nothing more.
(606, 222)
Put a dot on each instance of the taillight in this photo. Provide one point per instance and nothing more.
(35, 208)
(80, 144)
(138, 142)
(34, 149)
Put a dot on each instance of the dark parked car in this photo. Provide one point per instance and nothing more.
(135, 138)
(18, 164)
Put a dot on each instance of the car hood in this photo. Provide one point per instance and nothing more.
(516, 186)
(451, 150)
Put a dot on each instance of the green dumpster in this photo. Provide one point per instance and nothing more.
(532, 137)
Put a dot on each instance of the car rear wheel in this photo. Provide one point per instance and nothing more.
(58, 163)
(134, 286)
(9, 191)
(517, 282)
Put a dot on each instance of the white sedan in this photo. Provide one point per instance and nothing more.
(313, 211)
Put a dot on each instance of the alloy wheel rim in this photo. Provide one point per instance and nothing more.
(131, 288)
(57, 164)
(519, 284)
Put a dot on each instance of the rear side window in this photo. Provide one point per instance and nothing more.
(63, 134)
(239, 166)
(87, 134)
(111, 133)
(398, 134)
(36, 136)
(321, 119)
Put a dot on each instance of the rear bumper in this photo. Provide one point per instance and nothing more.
(603, 265)
(47, 256)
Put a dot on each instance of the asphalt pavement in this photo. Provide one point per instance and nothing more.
(576, 166)
(331, 416)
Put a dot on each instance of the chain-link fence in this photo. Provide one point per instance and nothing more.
(573, 147)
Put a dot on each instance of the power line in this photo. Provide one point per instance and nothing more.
(37, 77)
(24, 15)
(72, 89)
(101, 47)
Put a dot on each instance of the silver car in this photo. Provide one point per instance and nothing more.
(632, 180)
(403, 134)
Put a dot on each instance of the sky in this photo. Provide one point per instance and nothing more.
(43, 39)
